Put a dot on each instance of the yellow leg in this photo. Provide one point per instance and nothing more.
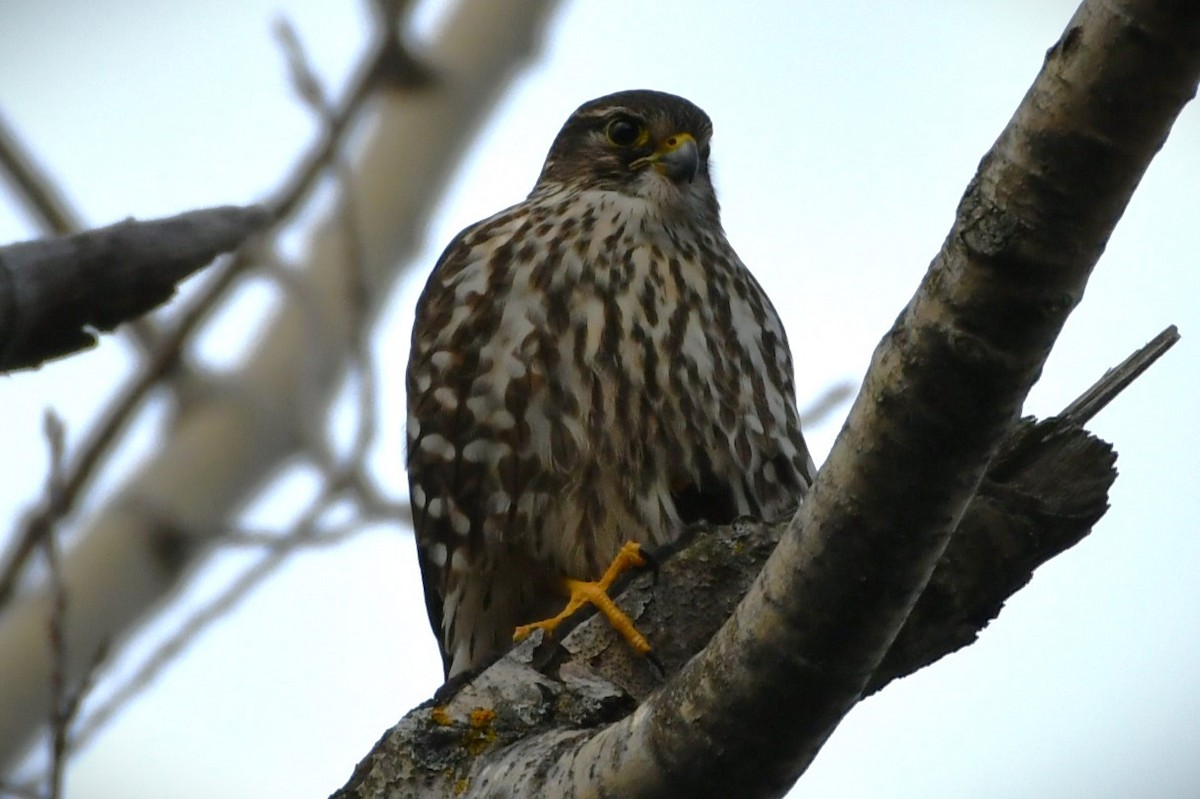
(582, 592)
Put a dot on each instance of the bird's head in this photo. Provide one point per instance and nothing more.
(640, 143)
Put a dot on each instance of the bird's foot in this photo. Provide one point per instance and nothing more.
(583, 592)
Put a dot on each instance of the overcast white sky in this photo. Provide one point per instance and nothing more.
(845, 134)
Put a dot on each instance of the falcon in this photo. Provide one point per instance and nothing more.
(592, 371)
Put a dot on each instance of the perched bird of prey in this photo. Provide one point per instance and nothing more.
(592, 366)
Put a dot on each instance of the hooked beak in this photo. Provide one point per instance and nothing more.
(678, 157)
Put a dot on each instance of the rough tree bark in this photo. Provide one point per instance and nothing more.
(747, 714)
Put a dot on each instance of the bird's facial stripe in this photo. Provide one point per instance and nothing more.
(607, 112)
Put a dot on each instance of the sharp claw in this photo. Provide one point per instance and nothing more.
(595, 593)
(657, 664)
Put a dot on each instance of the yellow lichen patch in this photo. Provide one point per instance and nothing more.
(461, 785)
(481, 734)
(439, 716)
(482, 716)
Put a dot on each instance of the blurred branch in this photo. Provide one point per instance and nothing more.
(117, 414)
(33, 187)
(829, 401)
(60, 712)
(55, 293)
(361, 365)
(306, 533)
(49, 208)
(65, 699)
(232, 433)
(8, 789)
(345, 481)
(389, 66)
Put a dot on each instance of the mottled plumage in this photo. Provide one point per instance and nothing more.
(592, 365)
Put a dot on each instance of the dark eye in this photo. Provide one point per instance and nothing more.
(624, 132)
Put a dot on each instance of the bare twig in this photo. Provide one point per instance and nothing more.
(279, 548)
(308, 87)
(64, 700)
(304, 79)
(59, 712)
(374, 503)
(361, 362)
(1116, 379)
(292, 541)
(34, 188)
(389, 65)
(361, 365)
(832, 398)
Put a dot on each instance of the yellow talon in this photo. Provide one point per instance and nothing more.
(583, 592)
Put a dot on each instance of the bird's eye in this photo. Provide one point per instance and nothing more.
(624, 132)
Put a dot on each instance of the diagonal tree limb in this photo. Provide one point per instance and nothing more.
(747, 715)
(1042, 494)
(944, 386)
(54, 293)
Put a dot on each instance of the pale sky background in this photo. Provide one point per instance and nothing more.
(845, 134)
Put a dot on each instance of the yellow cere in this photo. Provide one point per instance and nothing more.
(675, 141)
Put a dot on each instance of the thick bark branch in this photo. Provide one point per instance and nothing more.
(55, 292)
(1042, 495)
(944, 386)
(747, 714)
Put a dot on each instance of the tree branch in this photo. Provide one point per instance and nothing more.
(49, 208)
(1042, 494)
(33, 188)
(944, 386)
(55, 292)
